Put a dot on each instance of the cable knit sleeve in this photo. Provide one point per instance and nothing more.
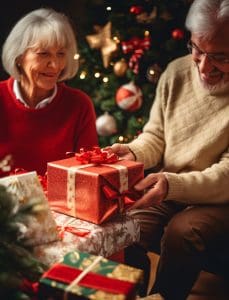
(209, 186)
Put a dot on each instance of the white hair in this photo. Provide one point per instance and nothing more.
(41, 27)
(205, 16)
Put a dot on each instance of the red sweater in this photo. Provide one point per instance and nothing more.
(37, 136)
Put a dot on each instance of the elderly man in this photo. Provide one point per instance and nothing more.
(185, 208)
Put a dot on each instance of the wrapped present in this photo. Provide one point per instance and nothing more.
(93, 192)
(84, 276)
(38, 228)
(106, 239)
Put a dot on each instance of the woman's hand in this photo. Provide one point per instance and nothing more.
(122, 150)
(155, 186)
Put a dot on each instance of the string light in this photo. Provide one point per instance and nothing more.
(97, 75)
(105, 79)
(121, 138)
(108, 8)
(76, 56)
(83, 75)
(116, 39)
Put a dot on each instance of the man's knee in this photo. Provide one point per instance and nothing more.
(183, 234)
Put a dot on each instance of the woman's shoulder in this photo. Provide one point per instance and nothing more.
(6, 87)
(6, 82)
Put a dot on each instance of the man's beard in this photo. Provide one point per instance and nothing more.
(215, 88)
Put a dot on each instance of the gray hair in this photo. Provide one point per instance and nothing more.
(205, 16)
(41, 27)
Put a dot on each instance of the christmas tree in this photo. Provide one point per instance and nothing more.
(19, 269)
(126, 47)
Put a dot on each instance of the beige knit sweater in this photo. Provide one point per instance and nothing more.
(188, 132)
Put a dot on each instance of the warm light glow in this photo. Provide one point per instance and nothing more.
(116, 39)
(76, 56)
(108, 8)
(146, 33)
(83, 75)
(121, 138)
(105, 79)
(97, 75)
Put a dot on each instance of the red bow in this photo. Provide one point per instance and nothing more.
(137, 46)
(124, 199)
(96, 156)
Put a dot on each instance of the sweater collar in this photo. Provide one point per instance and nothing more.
(41, 104)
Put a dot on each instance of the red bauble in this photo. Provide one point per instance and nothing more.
(178, 34)
(129, 97)
(136, 9)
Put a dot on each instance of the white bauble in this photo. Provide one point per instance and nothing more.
(106, 125)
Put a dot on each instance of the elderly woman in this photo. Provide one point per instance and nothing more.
(41, 118)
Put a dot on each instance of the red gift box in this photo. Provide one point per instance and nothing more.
(92, 192)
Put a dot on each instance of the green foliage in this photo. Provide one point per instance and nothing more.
(16, 261)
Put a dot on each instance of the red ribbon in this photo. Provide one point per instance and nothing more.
(96, 156)
(76, 231)
(67, 274)
(137, 46)
(124, 199)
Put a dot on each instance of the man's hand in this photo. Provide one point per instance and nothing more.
(156, 187)
(122, 151)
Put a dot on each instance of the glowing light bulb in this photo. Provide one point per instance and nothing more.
(83, 75)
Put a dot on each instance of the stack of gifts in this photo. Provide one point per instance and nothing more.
(84, 211)
(93, 186)
(84, 276)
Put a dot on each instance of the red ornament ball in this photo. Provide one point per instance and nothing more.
(136, 9)
(178, 34)
(129, 97)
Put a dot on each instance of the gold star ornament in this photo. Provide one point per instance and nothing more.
(102, 40)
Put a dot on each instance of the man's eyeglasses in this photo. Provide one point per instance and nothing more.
(214, 58)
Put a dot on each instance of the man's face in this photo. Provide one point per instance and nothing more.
(212, 58)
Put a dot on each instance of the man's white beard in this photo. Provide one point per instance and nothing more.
(217, 88)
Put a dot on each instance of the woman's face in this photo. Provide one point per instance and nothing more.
(41, 67)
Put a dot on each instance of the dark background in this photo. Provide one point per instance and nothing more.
(12, 12)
